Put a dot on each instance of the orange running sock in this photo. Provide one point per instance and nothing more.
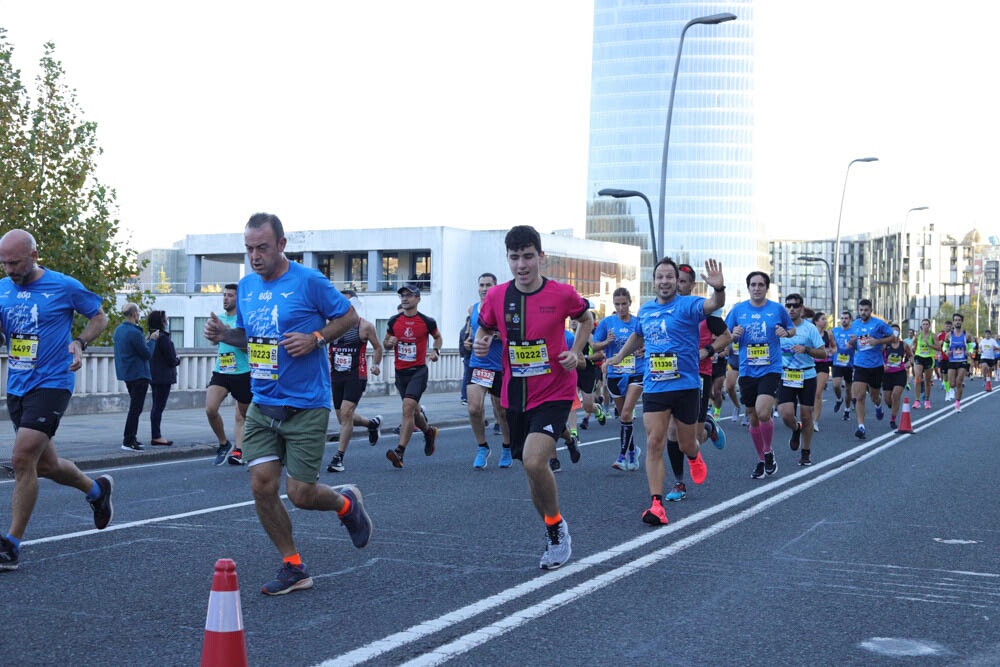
(294, 559)
(346, 508)
(553, 520)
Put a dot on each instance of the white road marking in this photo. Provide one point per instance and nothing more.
(476, 638)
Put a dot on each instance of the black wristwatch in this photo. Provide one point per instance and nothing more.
(83, 344)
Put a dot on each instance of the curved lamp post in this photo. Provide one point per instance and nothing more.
(836, 244)
(714, 19)
(902, 240)
(621, 194)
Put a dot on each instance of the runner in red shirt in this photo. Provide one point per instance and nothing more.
(407, 332)
(539, 372)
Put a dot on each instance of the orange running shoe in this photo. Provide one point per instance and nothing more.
(655, 515)
(699, 471)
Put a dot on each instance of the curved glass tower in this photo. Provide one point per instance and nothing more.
(709, 188)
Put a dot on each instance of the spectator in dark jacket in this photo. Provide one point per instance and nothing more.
(163, 373)
(132, 353)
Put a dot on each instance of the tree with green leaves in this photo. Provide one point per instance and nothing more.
(49, 187)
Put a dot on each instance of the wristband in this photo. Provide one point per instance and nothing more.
(720, 289)
(83, 343)
(320, 340)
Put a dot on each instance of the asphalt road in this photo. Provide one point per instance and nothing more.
(885, 551)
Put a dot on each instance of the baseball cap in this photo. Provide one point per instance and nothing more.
(409, 287)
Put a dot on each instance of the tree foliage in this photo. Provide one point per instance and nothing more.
(49, 187)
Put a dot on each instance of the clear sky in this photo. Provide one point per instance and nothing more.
(474, 114)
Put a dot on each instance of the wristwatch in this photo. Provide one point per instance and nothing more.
(83, 343)
(320, 340)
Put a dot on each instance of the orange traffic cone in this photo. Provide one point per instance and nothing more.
(989, 385)
(224, 645)
(904, 421)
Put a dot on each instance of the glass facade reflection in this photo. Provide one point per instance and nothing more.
(709, 190)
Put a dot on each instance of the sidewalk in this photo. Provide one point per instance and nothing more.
(94, 441)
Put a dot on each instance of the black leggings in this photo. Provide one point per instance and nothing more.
(160, 394)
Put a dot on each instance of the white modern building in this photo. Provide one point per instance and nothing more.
(444, 261)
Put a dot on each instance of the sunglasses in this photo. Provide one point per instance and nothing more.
(793, 305)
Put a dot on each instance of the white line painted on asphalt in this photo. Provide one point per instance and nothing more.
(516, 619)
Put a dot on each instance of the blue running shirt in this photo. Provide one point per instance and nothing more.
(631, 365)
(38, 321)
(671, 333)
(300, 301)
(805, 334)
(867, 355)
(760, 347)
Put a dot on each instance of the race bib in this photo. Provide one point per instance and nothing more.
(263, 356)
(842, 359)
(793, 378)
(759, 355)
(341, 362)
(406, 351)
(528, 359)
(227, 362)
(894, 360)
(23, 351)
(736, 347)
(958, 354)
(626, 367)
(865, 343)
(484, 377)
(663, 367)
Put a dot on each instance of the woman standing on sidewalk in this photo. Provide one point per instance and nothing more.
(163, 370)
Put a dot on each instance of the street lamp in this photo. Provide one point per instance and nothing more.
(621, 194)
(714, 19)
(808, 259)
(836, 244)
(902, 240)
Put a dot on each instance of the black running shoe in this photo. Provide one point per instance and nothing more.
(8, 554)
(104, 510)
(572, 445)
(554, 465)
(804, 459)
(429, 438)
(396, 456)
(770, 465)
(374, 429)
(758, 471)
(793, 442)
(336, 463)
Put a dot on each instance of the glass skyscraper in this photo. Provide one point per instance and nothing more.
(709, 188)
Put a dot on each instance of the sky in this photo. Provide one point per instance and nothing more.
(475, 114)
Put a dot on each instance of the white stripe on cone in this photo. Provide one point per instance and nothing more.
(224, 612)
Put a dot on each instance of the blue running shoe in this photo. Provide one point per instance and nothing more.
(621, 463)
(482, 456)
(677, 493)
(860, 434)
(879, 412)
(633, 458)
(357, 521)
(715, 432)
(289, 578)
(506, 460)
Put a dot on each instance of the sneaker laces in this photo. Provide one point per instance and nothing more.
(553, 533)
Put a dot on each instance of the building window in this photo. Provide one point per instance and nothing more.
(390, 272)
(199, 327)
(422, 269)
(357, 271)
(176, 325)
(326, 267)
